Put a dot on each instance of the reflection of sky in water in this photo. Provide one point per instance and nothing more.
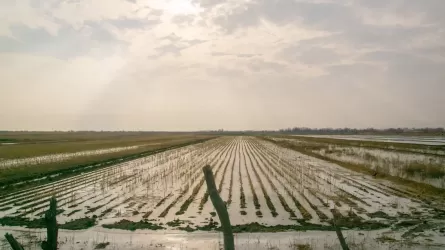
(60, 157)
(425, 140)
(391, 162)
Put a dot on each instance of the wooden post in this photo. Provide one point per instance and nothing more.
(13, 242)
(220, 207)
(51, 226)
(342, 240)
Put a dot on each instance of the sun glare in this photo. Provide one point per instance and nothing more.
(181, 7)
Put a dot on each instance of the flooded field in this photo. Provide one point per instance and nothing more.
(267, 189)
(422, 165)
(95, 238)
(418, 167)
(30, 155)
(425, 140)
(30, 161)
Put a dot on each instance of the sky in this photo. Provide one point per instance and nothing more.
(208, 64)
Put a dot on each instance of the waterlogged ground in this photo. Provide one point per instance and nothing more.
(31, 161)
(267, 189)
(406, 165)
(422, 167)
(149, 240)
(424, 140)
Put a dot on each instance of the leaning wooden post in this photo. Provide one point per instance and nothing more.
(13, 242)
(220, 207)
(342, 240)
(51, 226)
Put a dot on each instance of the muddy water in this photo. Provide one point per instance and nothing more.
(143, 240)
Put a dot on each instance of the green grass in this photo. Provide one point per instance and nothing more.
(425, 170)
(102, 245)
(22, 222)
(132, 226)
(176, 223)
(354, 222)
(44, 143)
(257, 227)
(379, 214)
(77, 165)
(300, 246)
(79, 224)
(385, 238)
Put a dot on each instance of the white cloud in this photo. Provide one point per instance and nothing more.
(21, 12)
(134, 64)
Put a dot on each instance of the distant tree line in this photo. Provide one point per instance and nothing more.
(335, 131)
(295, 130)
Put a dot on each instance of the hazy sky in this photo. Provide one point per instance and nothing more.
(209, 64)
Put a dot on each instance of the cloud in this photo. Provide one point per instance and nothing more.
(241, 55)
(432, 51)
(431, 8)
(68, 42)
(132, 23)
(310, 55)
(259, 65)
(67, 29)
(225, 72)
(244, 55)
(407, 69)
(176, 48)
(317, 14)
(335, 62)
(175, 45)
(169, 48)
(343, 20)
(173, 38)
(208, 3)
(194, 42)
(183, 19)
